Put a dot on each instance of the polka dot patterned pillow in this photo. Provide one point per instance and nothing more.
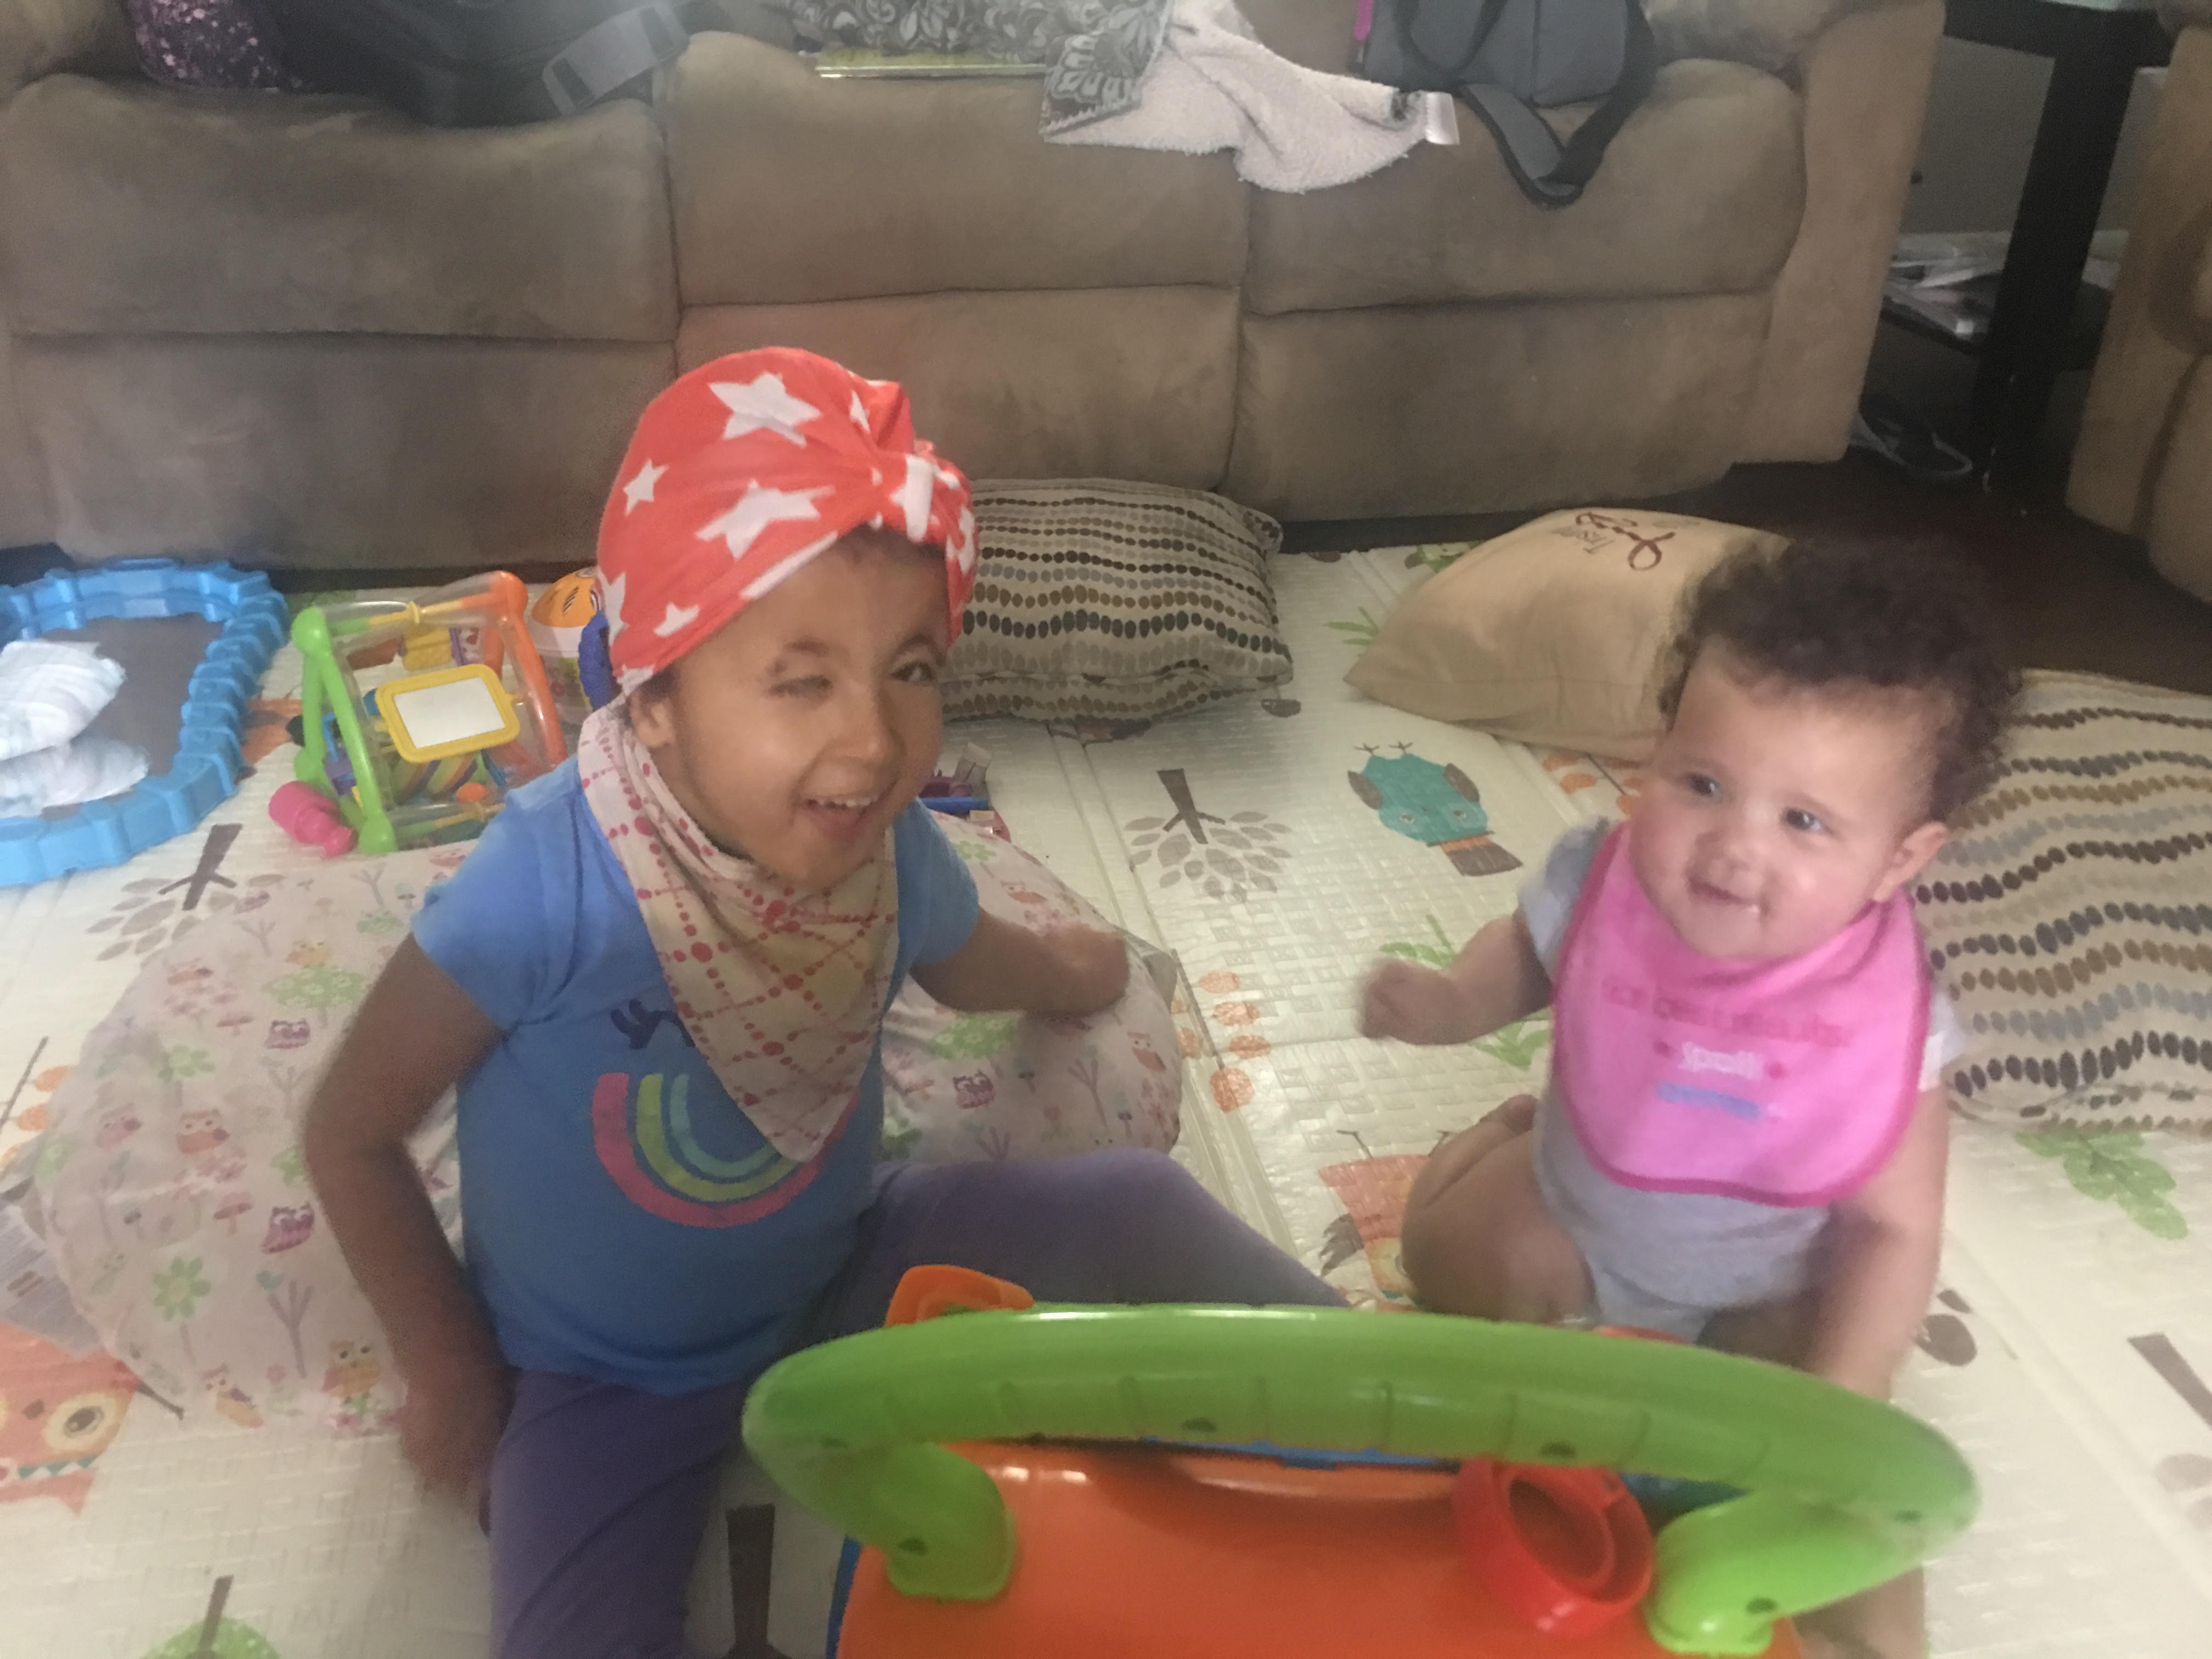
(2070, 916)
(1103, 601)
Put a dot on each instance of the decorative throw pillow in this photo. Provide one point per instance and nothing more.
(960, 1087)
(1553, 632)
(1103, 601)
(2071, 916)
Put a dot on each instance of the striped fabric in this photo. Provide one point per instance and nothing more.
(2070, 916)
(1103, 601)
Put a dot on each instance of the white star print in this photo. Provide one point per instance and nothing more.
(783, 567)
(677, 619)
(914, 496)
(860, 413)
(757, 509)
(611, 594)
(639, 488)
(763, 405)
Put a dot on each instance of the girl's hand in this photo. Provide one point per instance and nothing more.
(1093, 970)
(1413, 1003)
(455, 1410)
(1070, 969)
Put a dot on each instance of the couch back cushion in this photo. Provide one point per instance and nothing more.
(127, 208)
(45, 37)
(789, 188)
(1700, 193)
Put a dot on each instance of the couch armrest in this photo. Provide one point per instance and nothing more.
(2157, 331)
(39, 37)
(1865, 85)
(1768, 34)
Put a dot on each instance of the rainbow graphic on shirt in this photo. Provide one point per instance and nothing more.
(642, 1129)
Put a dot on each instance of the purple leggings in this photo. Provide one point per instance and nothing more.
(600, 1493)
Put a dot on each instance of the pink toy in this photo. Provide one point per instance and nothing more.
(311, 819)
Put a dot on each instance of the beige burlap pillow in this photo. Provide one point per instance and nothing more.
(1551, 633)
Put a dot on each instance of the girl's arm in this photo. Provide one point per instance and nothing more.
(1881, 1251)
(417, 1035)
(1070, 971)
(1496, 979)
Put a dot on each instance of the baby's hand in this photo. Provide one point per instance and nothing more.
(1414, 1003)
(1092, 970)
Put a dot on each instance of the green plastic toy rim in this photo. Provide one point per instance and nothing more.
(1840, 1493)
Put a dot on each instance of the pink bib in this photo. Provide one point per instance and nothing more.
(1784, 1082)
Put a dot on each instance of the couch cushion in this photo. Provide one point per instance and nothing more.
(1770, 33)
(938, 185)
(1114, 383)
(1407, 410)
(42, 37)
(23, 516)
(2202, 297)
(335, 451)
(1701, 193)
(143, 209)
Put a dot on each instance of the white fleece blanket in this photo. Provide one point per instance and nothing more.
(1214, 87)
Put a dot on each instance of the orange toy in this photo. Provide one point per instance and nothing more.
(1106, 1543)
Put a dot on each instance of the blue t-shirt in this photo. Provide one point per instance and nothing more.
(624, 1220)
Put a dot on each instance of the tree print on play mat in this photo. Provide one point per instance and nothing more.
(2110, 1166)
(155, 910)
(1223, 857)
(214, 1636)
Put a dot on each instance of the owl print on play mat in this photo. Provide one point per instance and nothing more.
(58, 1414)
(1436, 805)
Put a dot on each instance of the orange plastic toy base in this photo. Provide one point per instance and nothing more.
(1180, 1555)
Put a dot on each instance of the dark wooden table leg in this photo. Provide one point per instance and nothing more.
(2095, 57)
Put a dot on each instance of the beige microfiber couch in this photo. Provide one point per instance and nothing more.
(304, 330)
(2143, 464)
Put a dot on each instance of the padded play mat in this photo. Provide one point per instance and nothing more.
(1275, 847)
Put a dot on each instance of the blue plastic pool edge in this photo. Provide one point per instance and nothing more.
(204, 774)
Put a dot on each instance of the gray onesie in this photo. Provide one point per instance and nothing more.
(1668, 1261)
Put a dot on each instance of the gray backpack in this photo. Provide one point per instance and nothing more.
(1504, 59)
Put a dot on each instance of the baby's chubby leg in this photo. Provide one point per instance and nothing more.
(1477, 1238)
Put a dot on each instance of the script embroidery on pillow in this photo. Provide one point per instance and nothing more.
(2071, 916)
(1106, 601)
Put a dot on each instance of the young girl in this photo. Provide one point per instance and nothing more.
(1744, 1136)
(659, 982)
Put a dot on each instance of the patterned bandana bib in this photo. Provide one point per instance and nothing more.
(782, 990)
(1785, 1082)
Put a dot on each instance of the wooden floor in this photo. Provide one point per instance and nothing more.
(2071, 595)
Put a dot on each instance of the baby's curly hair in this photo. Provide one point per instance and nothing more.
(1847, 617)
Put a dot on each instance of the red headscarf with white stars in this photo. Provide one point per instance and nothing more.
(741, 472)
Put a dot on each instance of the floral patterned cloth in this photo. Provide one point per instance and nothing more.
(176, 1203)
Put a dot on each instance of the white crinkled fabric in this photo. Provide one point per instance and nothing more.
(50, 691)
(178, 1208)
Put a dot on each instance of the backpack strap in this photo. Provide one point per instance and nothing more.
(1552, 174)
(1446, 75)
